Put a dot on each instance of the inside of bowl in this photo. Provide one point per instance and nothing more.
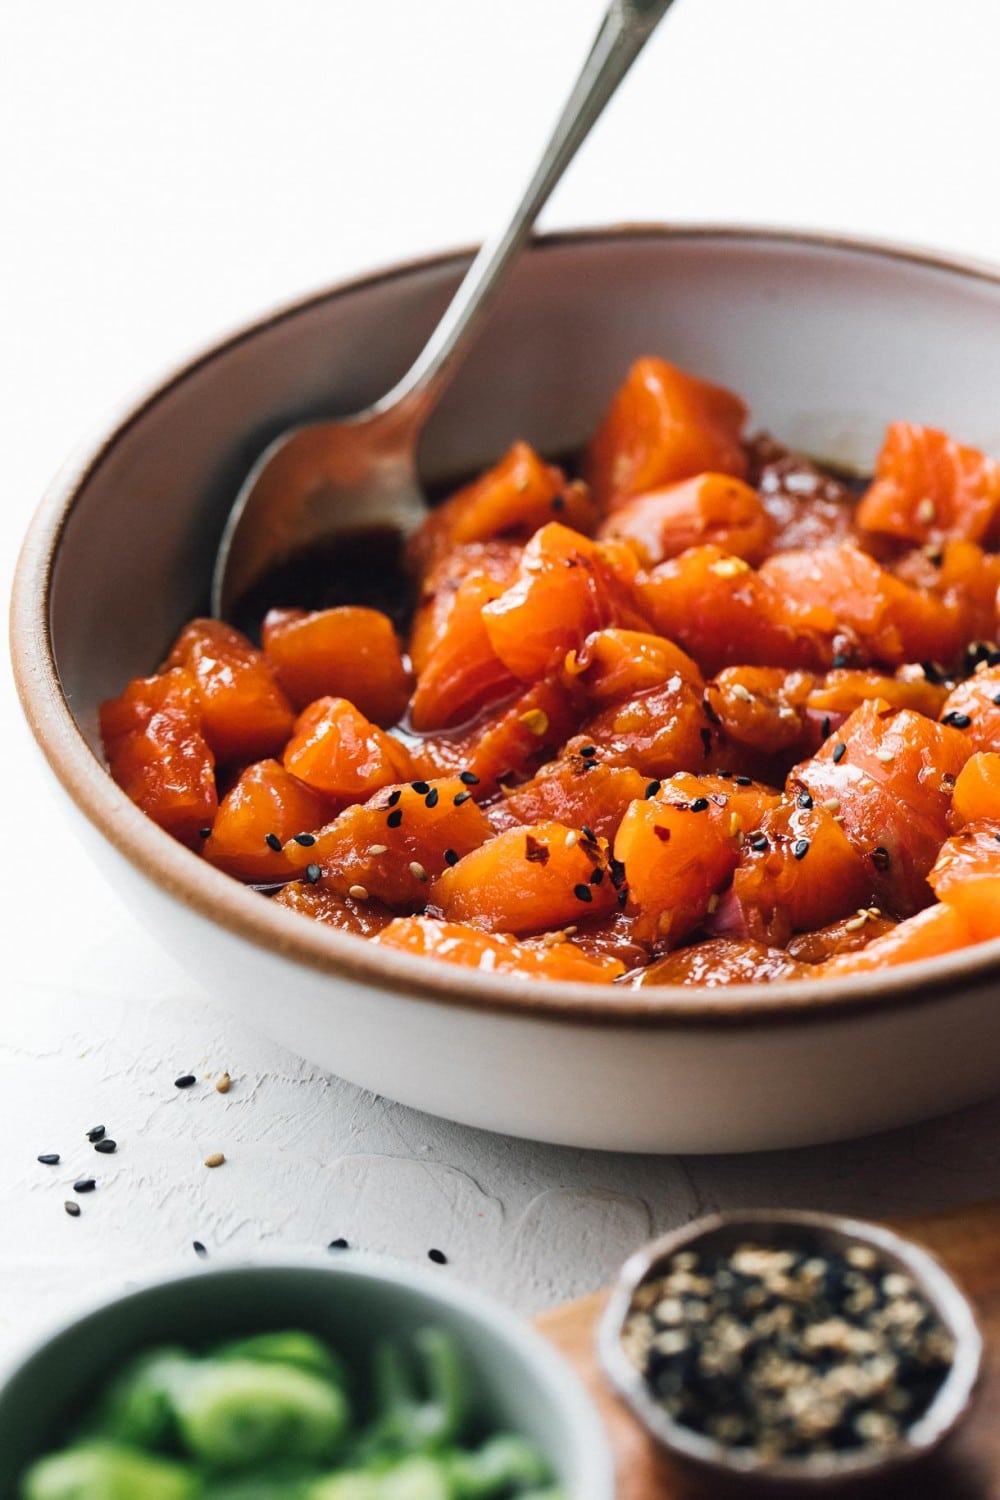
(827, 343)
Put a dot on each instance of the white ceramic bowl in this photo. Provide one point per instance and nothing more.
(517, 1381)
(828, 340)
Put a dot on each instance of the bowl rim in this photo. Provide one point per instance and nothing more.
(218, 898)
(492, 1319)
(949, 1405)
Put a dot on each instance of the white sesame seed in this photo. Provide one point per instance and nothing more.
(359, 892)
(417, 870)
(378, 848)
(571, 838)
(926, 511)
(743, 694)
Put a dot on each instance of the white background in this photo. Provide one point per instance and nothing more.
(168, 169)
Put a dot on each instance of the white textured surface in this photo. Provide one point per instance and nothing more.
(169, 170)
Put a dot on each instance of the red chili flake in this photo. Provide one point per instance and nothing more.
(535, 850)
(663, 834)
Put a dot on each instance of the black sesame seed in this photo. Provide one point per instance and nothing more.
(743, 780)
(840, 660)
(558, 503)
(800, 848)
(469, 777)
(461, 797)
(760, 843)
(651, 789)
(957, 720)
(96, 1133)
(84, 1185)
(203, 833)
(395, 818)
(699, 804)
(338, 1244)
(393, 798)
(588, 752)
(49, 1158)
(199, 1248)
(596, 877)
(73, 1209)
(107, 1147)
(431, 800)
(880, 857)
(305, 839)
(825, 727)
(438, 1257)
(273, 842)
(932, 671)
(839, 751)
(996, 700)
(313, 873)
(420, 787)
(582, 892)
(450, 857)
(185, 1081)
(588, 834)
(804, 799)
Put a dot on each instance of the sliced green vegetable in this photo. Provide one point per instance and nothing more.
(303, 1351)
(421, 1399)
(108, 1471)
(504, 1464)
(236, 1414)
(419, 1477)
(273, 1482)
(138, 1407)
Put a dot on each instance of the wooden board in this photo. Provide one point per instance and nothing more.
(967, 1241)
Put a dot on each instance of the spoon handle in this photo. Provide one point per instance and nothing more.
(624, 31)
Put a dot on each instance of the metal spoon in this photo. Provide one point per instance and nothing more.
(359, 472)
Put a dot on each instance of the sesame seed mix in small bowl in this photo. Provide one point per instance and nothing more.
(791, 1349)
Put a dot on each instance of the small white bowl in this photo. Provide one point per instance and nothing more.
(828, 340)
(519, 1383)
(738, 1469)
